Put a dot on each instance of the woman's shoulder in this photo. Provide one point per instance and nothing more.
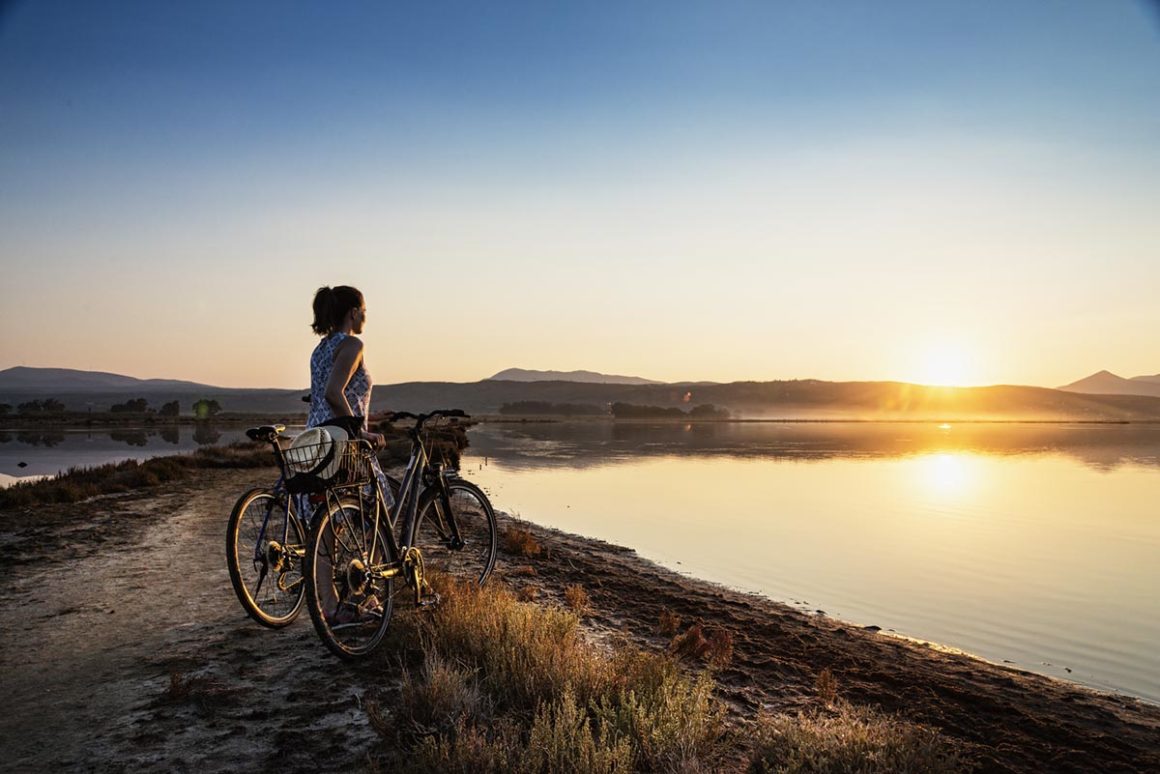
(348, 341)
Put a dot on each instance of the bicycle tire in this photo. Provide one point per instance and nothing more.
(475, 519)
(273, 599)
(336, 558)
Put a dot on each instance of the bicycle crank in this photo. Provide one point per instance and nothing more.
(413, 567)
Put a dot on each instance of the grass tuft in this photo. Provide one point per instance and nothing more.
(577, 600)
(668, 623)
(711, 646)
(520, 542)
(852, 740)
(827, 686)
(205, 693)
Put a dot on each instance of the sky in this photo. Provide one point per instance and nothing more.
(929, 191)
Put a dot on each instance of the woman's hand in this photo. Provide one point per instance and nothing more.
(376, 440)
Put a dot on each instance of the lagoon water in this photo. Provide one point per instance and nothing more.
(1033, 544)
(46, 452)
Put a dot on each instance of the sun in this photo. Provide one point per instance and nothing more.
(946, 365)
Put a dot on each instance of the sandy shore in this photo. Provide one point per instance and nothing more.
(124, 649)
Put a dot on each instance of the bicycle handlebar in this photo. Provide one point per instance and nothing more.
(394, 416)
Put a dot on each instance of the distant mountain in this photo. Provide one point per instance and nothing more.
(1107, 383)
(23, 378)
(796, 399)
(580, 377)
(97, 391)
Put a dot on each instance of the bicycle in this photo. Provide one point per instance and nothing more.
(266, 539)
(353, 556)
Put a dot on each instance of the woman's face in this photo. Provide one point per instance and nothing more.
(358, 318)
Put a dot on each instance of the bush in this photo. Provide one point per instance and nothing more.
(509, 686)
(852, 740)
(520, 542)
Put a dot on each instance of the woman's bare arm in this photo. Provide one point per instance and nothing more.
(346, 360)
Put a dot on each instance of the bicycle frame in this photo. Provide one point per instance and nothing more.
(405, 514)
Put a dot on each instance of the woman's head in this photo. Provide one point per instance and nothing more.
(336, 308)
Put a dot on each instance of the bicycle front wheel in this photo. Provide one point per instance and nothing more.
(264, 546)
(456, 531)
(350, 602)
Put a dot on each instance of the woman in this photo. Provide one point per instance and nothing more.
(340, 387)
(340, 394)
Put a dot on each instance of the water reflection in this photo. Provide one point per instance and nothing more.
(206, 434)
(583, 444)
(130, 437)
(47, 439)
(1030, 543)
(25, 453)
(946, 475)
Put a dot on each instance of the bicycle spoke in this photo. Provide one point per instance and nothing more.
(261, 524)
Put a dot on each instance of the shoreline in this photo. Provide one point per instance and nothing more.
(1017, 720)
(784, 661)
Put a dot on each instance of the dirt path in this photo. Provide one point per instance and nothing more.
(91, 644)
(122, 647)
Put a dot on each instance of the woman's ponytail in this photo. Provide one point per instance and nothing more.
(331, 306)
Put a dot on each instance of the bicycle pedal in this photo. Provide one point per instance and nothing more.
(429, 600)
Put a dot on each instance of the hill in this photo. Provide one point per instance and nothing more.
(581, 377)
(25, 379)
(797, 399)
(97, 391)
(1107, 383)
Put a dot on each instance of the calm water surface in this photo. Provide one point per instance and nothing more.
(48, 452)
(1036, 545)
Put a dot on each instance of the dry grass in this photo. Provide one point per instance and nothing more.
(511, 686)
(668, 623)
(711, 646)
(205, 693)
(852, 740)
(520, 542)
(577, 600)
(827, 686)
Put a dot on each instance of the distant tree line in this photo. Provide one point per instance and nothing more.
(633, 411)
(202, 409)
(535, 407)
(46, 406)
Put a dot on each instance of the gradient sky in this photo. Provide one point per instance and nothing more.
(924, 191)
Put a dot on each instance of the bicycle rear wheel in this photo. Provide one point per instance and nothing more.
(472, 558)
(350, 603)
(264, 544)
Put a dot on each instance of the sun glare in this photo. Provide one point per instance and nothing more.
(946, 365)
(946, 474)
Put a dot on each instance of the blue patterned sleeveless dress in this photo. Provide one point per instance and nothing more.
(357, 392)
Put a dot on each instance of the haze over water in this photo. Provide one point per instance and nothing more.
(1029, 544)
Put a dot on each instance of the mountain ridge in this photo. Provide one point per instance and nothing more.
(808, 399)
(578, 377)
(1105, 382)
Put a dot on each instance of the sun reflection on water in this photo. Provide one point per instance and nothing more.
(947, 474)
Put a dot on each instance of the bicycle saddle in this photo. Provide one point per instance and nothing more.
(265, 433)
